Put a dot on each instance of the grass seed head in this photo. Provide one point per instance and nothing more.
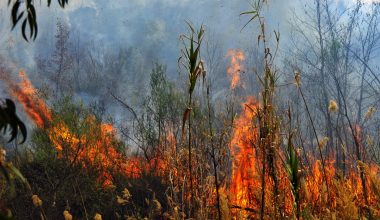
(333, 106)
(323, 142)
(37, 202)
(297, 77)
(369, 113)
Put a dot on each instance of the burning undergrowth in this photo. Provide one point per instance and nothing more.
(291, 186)
(342, 194)
(270, 176)
(88, 141)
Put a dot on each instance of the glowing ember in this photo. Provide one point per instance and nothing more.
(235, 68)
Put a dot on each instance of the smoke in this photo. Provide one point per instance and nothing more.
(153, 27)
(150, 29)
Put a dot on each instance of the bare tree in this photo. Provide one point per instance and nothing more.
(59, 65)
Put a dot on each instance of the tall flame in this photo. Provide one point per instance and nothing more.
(99, 151)
(244, 157)
(236, 67)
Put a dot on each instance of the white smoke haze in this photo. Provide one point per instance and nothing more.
(148, 28)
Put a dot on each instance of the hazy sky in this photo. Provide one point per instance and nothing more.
(151, 26)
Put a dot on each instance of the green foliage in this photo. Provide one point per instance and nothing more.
(191, 53)
(161, 91)
(293, 168)
(161, 111)
(9, 118)
(28, 15)
(190, 59)
(254, 13)
(164, 97)
(58, 176)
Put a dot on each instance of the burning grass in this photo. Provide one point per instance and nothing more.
(92, 145)
(89, 143)
(240, 165)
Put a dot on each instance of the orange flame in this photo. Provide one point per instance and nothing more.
(25, 93)
(97, 151)
(235, 68)
(243, 154)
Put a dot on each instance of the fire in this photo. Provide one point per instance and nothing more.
(244, 158)
(343, 190)
(235, 68)
(315, 185)
(96, 148)
(25, 93)
(316, 192)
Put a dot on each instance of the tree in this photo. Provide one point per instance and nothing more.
(60, 63)
(332, 50)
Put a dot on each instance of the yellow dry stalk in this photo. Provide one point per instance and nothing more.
(3, 154)
(323, 142)
(369, 140)
(363, 167)
(156, 206)
(369, 113)
(126, 194)
(121, 201)
(297, 77)
(346, 207)
(344, 148)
